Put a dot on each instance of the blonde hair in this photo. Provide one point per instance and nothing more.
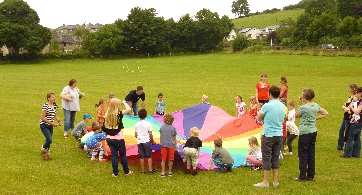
(194, 132)
(253, 144)
(253, 98)
(168, 118)
(218, 142)
(111, 115)
(205, 97)
(291, 103)
(110, 94)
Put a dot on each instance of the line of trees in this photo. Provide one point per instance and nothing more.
(141, 33)
(337, 22)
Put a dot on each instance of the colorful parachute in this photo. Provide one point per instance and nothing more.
(213, 123)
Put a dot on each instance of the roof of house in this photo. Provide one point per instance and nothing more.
(63, 38)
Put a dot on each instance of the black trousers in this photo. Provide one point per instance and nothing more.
(306, 154)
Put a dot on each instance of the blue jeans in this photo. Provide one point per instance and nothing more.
(135, 109)
(69, 118)
(118, 146)
(343, 128)
(353, 146)
(220, 165)
(47, 131)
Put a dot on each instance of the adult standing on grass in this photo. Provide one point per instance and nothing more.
(70, 104)
(48, 114)
(113, 127)
(352, 89)
(273, 115)
(353, 146)
(262, 88)
(283, 88)
(307, 134)
(133, 97)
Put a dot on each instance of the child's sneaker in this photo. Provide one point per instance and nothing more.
(187, 172)
(194, 172)
(229, 169)
(153, 171)
(170, 174)
(94, 160)
(102, 160)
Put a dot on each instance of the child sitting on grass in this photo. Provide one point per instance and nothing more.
(254, 156)
(168, 143)
(96, 143)
(192, 151)
(221, 157)
(143, 133)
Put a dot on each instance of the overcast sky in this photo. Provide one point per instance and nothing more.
(55, 13)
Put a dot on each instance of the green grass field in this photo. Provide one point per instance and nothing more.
(264, 20)
(182, 80)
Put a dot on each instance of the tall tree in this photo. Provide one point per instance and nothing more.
(346, 8)
(107, 40)
(20, 28)
(324, 25)
(317, 7)
(240, 8)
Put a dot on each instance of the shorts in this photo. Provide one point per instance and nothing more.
(144, 150)
(167, 153)
(191, 156)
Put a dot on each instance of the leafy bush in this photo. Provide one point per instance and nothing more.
(256, 48)
(240, 42)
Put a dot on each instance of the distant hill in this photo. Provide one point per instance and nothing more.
(263, 20)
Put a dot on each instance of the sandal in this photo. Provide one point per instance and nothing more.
(170, 174)
(162, 175)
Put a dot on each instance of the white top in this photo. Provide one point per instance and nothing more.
(73, 93)
(142, 128)
(241, 108)
(291, 115)
(257, 154)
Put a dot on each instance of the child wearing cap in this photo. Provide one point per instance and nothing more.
(81, 128)
(95, 143)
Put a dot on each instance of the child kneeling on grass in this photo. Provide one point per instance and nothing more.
(96, 143)
(192, 151)
(143, 133)
(221, 157)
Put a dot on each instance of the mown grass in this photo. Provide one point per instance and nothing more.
(183, 80)
(264, 20)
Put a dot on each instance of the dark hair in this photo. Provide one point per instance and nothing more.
(50, 94)
(274, 91)
(218, 142)
(71, 82)
(241, 98)
(308, 94)
(95, 128)
(359, 90)
(160, 94)
(353, 87)
(101, 101)
(283, 78)
(139, 88)
(142, 113)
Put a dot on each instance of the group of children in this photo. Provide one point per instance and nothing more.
(92, 139)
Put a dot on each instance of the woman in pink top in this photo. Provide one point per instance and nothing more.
(262, 90)
(283, 88)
